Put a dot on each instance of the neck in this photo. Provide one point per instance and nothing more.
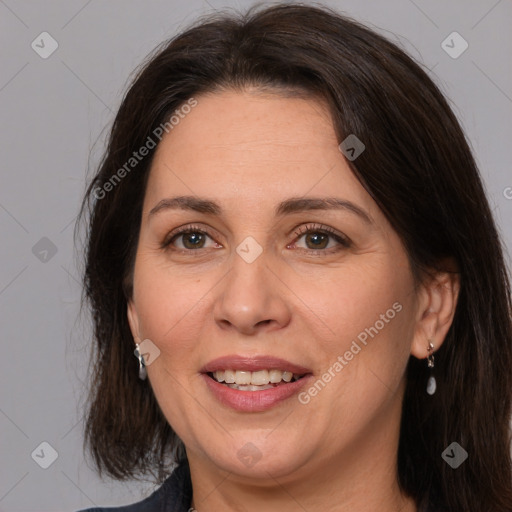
(327, 493)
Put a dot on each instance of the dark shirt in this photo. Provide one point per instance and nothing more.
(174, 495)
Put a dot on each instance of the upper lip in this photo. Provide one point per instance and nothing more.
(253, 364)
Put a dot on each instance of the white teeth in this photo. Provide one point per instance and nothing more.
(250, 388)
(242, 378)
(287, 376)
(259, 378)
(229, 376)
(275, 376)
(249, 379)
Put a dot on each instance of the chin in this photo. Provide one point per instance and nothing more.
(260, 462)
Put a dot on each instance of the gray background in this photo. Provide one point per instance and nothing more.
(55, 111)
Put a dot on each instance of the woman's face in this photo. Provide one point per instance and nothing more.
(286, 264)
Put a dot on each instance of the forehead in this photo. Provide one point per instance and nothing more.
(255, 146)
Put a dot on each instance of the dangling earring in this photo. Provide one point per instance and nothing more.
(431, 384)
(143, 373)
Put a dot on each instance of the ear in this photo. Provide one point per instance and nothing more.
(437, 300)
(133, 321)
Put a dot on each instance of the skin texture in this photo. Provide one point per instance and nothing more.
(248, 151)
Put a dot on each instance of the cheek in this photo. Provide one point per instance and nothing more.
(367, 314)
(171, 311)
(362, 358)
(169, 306)
(356, 300)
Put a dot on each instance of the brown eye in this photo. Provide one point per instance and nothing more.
(192, 240)
(189, 238)
(320, 240)
(316, 240)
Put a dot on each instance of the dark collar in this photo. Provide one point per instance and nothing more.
(176, 491)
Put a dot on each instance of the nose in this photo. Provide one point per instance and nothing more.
(251, 298)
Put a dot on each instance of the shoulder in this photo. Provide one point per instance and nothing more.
(174, 495)
(151, 503)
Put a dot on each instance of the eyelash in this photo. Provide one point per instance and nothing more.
(183, 230)
(342, 240)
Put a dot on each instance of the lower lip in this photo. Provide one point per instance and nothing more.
(254, 401)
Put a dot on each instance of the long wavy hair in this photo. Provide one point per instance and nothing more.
(419, 169)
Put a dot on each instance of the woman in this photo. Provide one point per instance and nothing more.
(290, 233)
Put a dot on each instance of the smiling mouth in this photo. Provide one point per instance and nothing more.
(254, 381)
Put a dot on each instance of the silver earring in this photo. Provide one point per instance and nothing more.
(431, 384)
(143, 373)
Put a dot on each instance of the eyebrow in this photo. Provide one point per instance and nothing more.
(304, 204)
(187, 203)
(292, 205)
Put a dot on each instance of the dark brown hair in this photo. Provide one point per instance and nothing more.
(418, 168)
